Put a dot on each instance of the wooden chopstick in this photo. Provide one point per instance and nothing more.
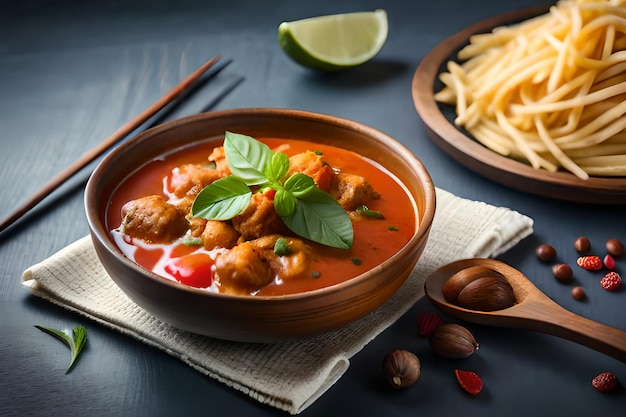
(118, 135)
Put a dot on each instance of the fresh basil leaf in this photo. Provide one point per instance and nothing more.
(284, 202)
(247, 157)
(300, 184)
(222, 199)
(305, 209)
(276, 170)
(320, 218)
(75, 340)
(79, 335)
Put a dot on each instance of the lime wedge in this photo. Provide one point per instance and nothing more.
(334, 42)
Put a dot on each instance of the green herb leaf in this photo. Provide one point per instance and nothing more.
(278, 167)
(247, 158)
(299, 184)
(319, 217)
(75, 340)
(306, 210)
(364, 210)
(281, 247)
(284, 202)
(191, 241)
(222, 199)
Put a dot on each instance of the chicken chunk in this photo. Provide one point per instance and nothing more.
(218, 234)
(242, 270)
(313, 165)
(351, 191)
(258, 219)
(196, 224)
(218, 157)
(153, 220)
(251, 265)
(190, 179)
(294, 263)
(186, 181)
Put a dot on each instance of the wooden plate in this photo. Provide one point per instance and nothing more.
(438, 120)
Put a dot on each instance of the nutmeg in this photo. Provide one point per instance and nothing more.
(562, 272)
(615, 247)
(487, 294)
(545, 252)
(582, 244)
(453, 341)
(401, 368)
(455, 284)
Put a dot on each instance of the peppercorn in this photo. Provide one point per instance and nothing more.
(578, 293)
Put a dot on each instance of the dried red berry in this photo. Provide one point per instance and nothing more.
(590, 263)
(469, 381)
(427, 322)
(611, 281)
(605, 382)
(609, 262)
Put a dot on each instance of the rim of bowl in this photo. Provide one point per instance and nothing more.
(97, 228)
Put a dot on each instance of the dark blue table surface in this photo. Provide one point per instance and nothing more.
(72, 72)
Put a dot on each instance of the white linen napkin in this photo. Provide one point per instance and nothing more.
(289, 376)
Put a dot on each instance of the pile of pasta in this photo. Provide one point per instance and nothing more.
(550, 90)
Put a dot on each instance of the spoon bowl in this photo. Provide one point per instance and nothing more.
(533, 310)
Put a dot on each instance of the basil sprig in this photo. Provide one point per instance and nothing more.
(305, 209)
(74, 339)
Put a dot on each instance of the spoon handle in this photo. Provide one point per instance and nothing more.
(557, 321)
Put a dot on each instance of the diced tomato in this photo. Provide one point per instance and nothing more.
(194, 270)
(269, 193)
(148, 257)
(182, 250)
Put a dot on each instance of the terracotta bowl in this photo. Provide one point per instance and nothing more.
(254, 318)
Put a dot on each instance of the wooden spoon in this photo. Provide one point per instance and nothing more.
(533, 310)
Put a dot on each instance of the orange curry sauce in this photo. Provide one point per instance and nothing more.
(375, 239)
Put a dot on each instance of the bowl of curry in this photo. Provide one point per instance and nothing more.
(260, 225)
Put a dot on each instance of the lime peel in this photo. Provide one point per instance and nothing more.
(334, 42)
